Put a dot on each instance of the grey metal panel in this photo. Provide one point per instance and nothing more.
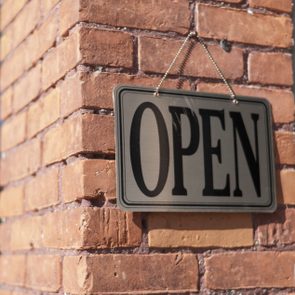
(131, 197)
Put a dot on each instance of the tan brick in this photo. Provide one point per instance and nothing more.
(199, 65)
(201, 230)
(43, 272)
(6, 42)
(97, 87)
(83, 228)
(286, 186)
(240, 26)
(84, 274)
(282, 101)
(69, 15)
(16, 274)
(11, 201)
(47, 5)
(9, 10)
(284, 6)
(26, 233)
(26, 21)
(61, 60)
(163, 16)
(285, 146)
(20, 162)
(107, 48)
(27, 88)
(42, 190)
(6, 292)
(250, 270)
(270, 68)
(276, 229)
(5, 233)
(6, 104)
(43, 112)
(13, 131)
(31, 54)
(88, 179)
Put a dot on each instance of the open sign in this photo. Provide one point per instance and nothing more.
(188, 151)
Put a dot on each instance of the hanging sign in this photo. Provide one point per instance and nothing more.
(189, 151)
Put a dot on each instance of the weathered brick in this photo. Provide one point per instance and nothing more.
(270, 68)
(89, 179)
(61, 60)
(43, 112)
(13, 131)
(6, 104)
(16, 273)
(26, 21)
(69, 15)
(199, 65)
(26, 233)
(276, 229)
(163, 16)
(83, 228)
(21, 161)
(9, 10)
(201, 230)
(250, 270)
(43, 272)
(286, 186)
(27, 88)
(42, 190)
(285, 147)
(107, 48)
(240, 26)
(11, 201)
(284, 6)
(282, 101)
(154, 272)
(97, 87)
(231, 1)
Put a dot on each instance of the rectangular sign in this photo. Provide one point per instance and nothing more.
(189, 151)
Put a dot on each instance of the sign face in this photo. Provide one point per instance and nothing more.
(189, 151)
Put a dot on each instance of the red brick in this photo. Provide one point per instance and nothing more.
(250, 270)
(270, 68)
(60, 60)
(286, 186)
(276, 229)
(154, 272)
(43, 272)
(106, 48)
(13, 131)
(27, 88)
(69, 15)
(9, 10)
(6, 103)
(85, 227)
(43, 112)
(284, 6)
(11, 201)
(240, 26)
(282, 101)
(26, 233)
(97, 88)
(163, 16)
(89, 179)
(201, 230)
(21, 161)
(15, 265)
(26, 21)
(42, 190)
(199, 64)
(285, 147)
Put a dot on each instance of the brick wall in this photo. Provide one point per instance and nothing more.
(61, 231)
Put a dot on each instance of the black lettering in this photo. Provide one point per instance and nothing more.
(178, 150)
(135, 149)
(209, 151)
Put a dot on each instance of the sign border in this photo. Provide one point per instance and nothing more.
(123, 204)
